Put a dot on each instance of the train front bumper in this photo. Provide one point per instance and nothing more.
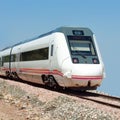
(84, 76)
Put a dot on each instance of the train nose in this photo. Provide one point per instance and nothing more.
(87, 70)
(87, 75)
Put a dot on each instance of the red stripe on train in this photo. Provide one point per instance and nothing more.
(86, 77)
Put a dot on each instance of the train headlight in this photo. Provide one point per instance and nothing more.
(95, 61)
(75, 60)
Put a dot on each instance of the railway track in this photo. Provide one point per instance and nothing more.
(103, 99)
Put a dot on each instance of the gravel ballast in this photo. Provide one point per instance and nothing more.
(60, 107)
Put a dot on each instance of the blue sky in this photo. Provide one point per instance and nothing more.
(24, 19)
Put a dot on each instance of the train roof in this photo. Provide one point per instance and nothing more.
(60, 29)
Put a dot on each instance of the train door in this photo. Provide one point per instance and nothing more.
(18, 60)
(51, 56)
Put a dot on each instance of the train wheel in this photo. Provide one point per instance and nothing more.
(8, 74)
(52, 82)
(44, 79)
(15, 76)
(49, 81)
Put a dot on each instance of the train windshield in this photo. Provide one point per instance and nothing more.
(81, 45)
(82, 49)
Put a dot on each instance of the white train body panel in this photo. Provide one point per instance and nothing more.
(6, 65)
(70, 55)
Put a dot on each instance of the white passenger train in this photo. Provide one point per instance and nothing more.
(67, 56)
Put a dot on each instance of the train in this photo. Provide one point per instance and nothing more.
(68, 57)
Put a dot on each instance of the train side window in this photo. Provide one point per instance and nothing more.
(6, 58)
(39, 54)
(1, 62)
(52, 46)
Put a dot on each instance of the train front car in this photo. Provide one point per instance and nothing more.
(86, 69)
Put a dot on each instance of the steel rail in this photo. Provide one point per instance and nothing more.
(91, 96)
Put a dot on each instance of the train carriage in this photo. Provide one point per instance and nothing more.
(66, 56)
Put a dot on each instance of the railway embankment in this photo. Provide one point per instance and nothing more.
(22, 101)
